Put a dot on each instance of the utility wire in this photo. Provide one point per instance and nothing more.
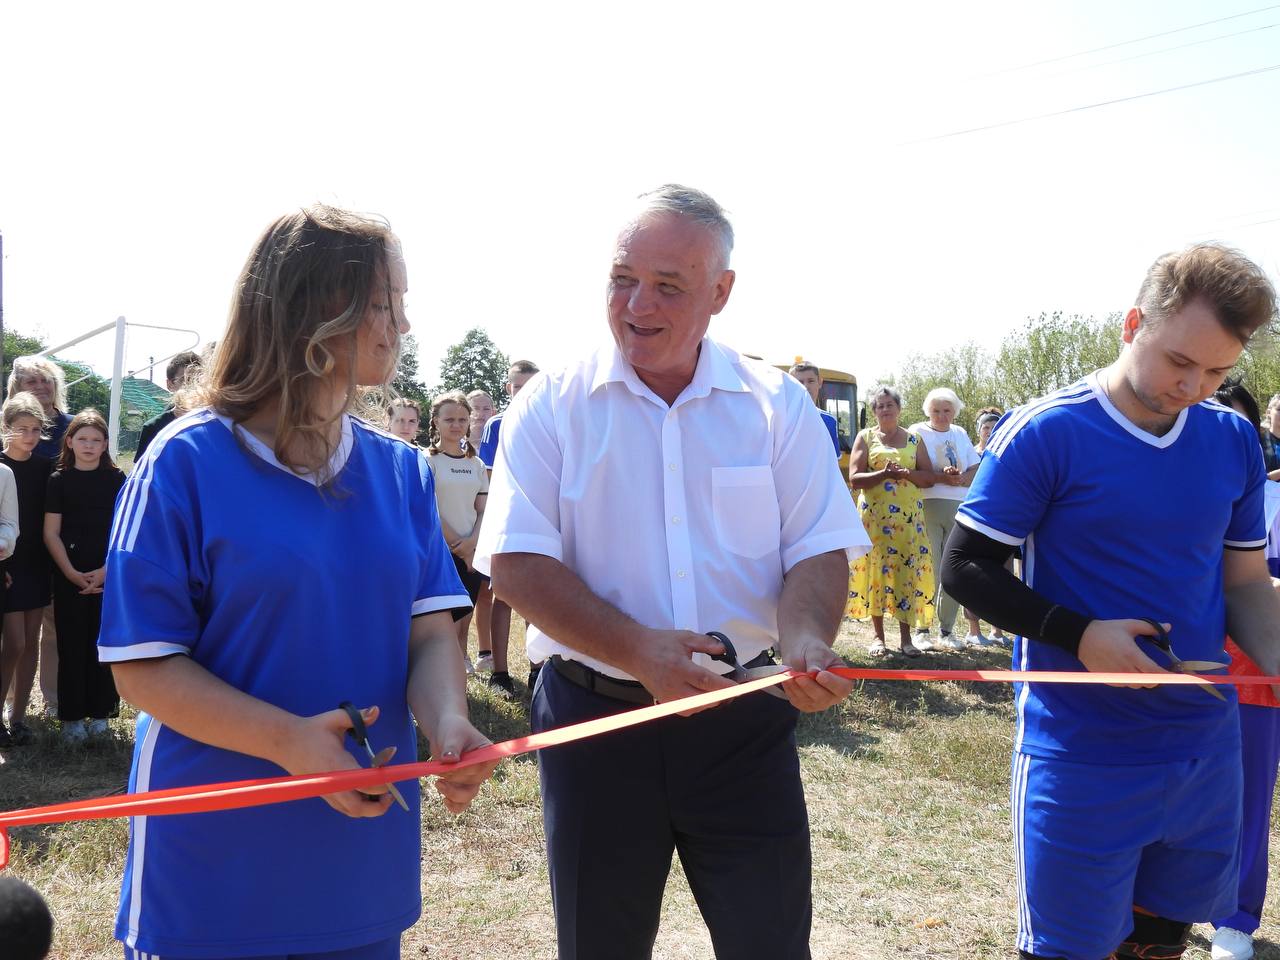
(1125, 43)
(1152, 53)
(1089, 106)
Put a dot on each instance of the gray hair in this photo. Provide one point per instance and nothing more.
(43, 366)
(694, 205)
(883, 390)
(945, 394)
(1273, 402)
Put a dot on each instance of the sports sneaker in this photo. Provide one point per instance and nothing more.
(977, 640)
(484, 662)
(948, 642)
(73, 732)
(468, 666)
(21, 734)
(501, 682)
(925, 643)
(98, 728)
(8, 712)
(1231, 944)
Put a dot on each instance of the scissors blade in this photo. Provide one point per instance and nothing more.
(379, 759)
(743, 674)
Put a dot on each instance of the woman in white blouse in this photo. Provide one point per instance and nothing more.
(954, 462)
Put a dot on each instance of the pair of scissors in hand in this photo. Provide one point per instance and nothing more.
(1177, 664)
(741, 674)
(360, 734)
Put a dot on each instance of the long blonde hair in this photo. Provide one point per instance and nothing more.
(299, 303)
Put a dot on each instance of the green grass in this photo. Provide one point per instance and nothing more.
(907, 786)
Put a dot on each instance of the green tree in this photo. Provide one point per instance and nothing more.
(1259, 367)
(1052, 351)
(966, 369)
(406, 383)
(475, 363)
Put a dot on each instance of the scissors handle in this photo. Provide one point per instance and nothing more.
(730, 655)
(358, 732)
(1161, 638)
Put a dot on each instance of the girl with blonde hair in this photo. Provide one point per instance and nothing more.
(28, 571)
(275, 557)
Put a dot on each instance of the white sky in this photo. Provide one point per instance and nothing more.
(144, 146)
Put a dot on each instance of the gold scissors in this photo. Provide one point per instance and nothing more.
(1178, 665)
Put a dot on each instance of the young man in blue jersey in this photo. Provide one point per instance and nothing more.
(1133, 499)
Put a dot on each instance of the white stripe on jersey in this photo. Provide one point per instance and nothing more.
(1018, 803)
(1024, 661)
(141, 785)
(1080, 392)
(129, 517)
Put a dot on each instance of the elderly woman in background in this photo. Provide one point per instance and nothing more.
(889, 466)
(953, 461)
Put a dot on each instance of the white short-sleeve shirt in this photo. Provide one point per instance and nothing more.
(950, 447)
(684, 517)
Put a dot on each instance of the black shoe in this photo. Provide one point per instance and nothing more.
(21, 734)
(502, 681)
(533, 675)
(5, 739)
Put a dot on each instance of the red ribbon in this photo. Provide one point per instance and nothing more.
(252, 793)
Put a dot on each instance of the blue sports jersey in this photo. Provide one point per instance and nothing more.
(489, 440)
(1116, 523)
(829, 421)
(298, 597)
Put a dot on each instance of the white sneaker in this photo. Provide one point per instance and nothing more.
(98, 728)
(925, 643)
(976, 640)
(73, 732)
(468, 666)
(484, 663)
(1231, 944)
(948, 642)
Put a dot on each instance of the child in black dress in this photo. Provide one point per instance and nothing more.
(28, 571)
(77, 524)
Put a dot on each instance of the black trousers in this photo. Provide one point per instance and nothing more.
(721, 788)
(85, 686)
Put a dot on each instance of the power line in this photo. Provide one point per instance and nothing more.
(1152, 53)
(1090, 106)
(1125, 43)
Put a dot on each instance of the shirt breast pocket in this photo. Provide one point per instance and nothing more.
(745, 506)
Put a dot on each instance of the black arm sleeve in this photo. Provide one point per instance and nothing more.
(974, 573)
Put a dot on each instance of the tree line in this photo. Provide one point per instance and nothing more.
(1046, 353)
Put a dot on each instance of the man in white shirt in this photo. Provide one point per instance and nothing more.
(662, 488)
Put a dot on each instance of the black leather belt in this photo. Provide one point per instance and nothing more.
(628, 691)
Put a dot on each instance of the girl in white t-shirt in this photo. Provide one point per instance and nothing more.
(462, 485)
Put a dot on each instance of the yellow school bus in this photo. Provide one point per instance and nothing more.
(839, 397)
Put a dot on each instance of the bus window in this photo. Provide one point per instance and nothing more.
(840, 400)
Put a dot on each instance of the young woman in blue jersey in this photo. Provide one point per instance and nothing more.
(273, 557)
(28, 568)
(78, 508)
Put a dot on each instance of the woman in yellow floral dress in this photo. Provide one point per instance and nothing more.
(889, 465)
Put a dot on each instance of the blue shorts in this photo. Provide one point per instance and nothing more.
(1092, 841)
(388, 949)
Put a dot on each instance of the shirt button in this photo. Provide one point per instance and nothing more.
(671, 466)
(680, 574)
(675, 519)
